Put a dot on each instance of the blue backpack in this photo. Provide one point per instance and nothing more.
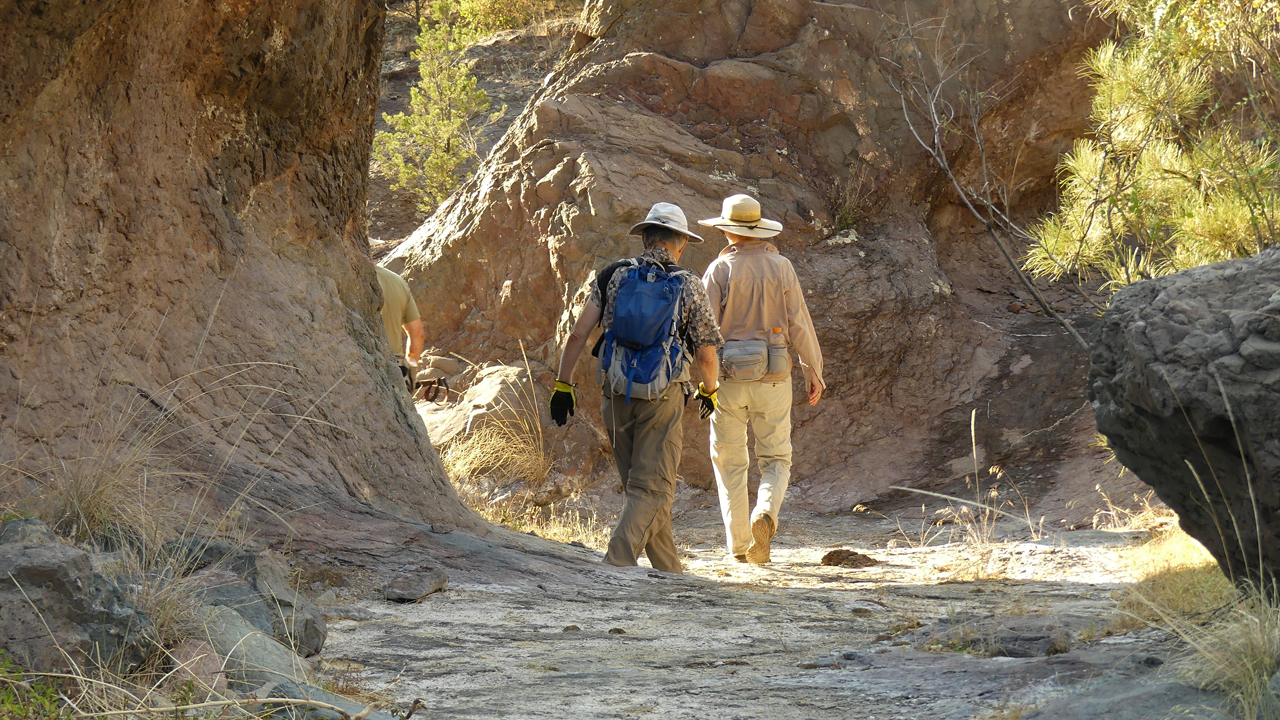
(642, 355)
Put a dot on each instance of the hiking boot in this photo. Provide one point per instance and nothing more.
(761, 533)
(735, 558)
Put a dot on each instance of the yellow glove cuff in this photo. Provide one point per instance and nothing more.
(702, 390)
(562, 386)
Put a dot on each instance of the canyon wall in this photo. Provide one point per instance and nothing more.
(184, 265)
(689, 101)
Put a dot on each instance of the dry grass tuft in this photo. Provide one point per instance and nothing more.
(566, 525)
(511, 449)
(122, 486)
(1237, 654)
(1178, 578)
(1232, 638)
(506, 452)
(1148, 513)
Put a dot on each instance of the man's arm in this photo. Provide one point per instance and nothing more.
(577, 341)
(416, 337)
(804, 339)
(708, 368)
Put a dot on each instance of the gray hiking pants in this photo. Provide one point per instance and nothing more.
(647, 437)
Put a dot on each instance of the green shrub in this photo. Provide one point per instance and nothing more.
(489, 16)
(426, 149)
(23, 698)
(1182, 169)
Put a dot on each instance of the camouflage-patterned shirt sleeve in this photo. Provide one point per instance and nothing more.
(698, 328)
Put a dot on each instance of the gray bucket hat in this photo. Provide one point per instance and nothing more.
(667, 215)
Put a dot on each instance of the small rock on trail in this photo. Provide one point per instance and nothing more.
(413, 588)
(844, 557)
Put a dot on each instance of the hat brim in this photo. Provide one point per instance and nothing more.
(635, 230)
(762, 228)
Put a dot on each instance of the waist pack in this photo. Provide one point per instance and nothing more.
(745, 360)
(641, 353)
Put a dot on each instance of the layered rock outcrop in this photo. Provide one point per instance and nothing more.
(57, 613)
(182, 221)
(789, 100)
(1185, 383)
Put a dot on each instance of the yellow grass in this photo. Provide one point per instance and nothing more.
(1177, 577)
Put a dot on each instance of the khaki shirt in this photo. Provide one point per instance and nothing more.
(752, 290)
(398, 308)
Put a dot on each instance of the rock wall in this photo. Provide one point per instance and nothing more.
(182, 193)
(689, 101)
(1185, 384)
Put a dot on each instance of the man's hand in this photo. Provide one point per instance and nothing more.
(815, 387)
(708, 400)
(563, 402)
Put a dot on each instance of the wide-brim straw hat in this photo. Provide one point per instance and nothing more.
(740, 215)
(669, 216)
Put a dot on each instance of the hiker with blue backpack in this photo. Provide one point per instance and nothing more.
(657, 324)
(760, 309)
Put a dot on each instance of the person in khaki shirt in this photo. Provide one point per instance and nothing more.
(757, 301)
(400, 318)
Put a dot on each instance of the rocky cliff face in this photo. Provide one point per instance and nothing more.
(688, 102)
(1184, 385)
(182, 191)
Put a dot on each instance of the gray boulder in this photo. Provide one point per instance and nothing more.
(254, 659)
(297, 621)
(52, 602)
(31, 532)
(416, 586)
(1185, 384)
(302, 691)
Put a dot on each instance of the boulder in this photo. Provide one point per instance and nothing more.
(195, 661)
(500, 394)
(253, 659)
(1187, 391)
(257, 587)
(55, 611)
(416, 586)
(297, 622)
(687, 102)
(29, 532)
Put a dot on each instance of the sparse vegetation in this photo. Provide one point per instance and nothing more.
(1182, 169)
(995, 496)
(29, 698)
(851, 200)
(510, 449)
(1147, 514)
(426, 150)
(1236, 654)
(1177, 578)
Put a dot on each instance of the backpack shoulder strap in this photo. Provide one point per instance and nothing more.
(605, 275)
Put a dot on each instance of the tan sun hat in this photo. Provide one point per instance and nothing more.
(667, 215)
(740, 215)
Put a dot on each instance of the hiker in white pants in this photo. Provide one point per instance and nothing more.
(759, 305)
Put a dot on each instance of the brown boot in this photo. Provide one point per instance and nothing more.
(762, 530)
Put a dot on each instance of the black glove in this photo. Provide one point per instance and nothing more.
(708, 400)
(563, 402)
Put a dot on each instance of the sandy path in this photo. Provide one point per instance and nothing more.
(790, 640)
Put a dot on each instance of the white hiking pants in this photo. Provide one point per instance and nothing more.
(767, 407)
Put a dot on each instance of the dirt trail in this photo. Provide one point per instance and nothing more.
(790, 640)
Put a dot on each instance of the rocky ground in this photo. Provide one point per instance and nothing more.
(1016, 629)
